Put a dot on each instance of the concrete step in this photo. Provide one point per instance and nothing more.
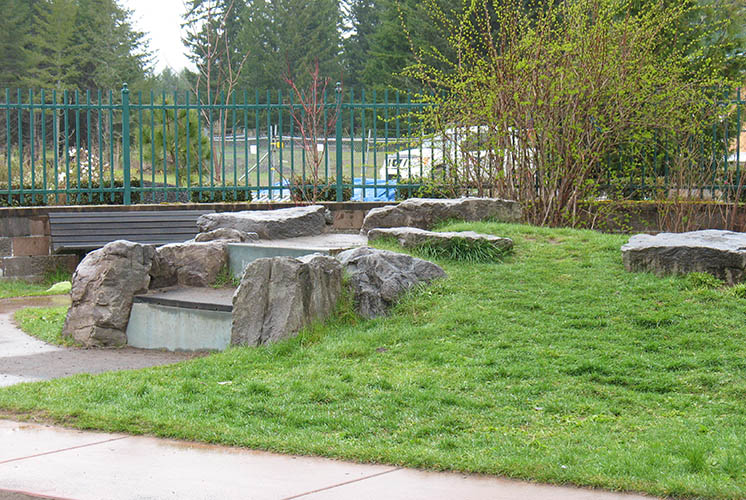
(182, 319)
(241, 255)
(199, 319)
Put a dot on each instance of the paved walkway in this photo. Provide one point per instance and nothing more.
(52, 462)
(26, 359)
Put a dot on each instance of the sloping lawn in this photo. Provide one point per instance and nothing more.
(554, 365)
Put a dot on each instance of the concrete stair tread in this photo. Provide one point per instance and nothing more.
(328, 242)
(211, 299)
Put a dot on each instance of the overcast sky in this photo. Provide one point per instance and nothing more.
(160, 20)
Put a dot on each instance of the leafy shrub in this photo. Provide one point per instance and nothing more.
(426, 187)
(555, 92)
(300, 191)
(22, 200)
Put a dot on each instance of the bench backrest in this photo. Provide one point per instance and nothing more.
(91, 230)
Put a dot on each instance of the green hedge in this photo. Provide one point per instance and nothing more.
(153, 193)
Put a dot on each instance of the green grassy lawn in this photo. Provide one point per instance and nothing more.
(44, 323)
(555, 365)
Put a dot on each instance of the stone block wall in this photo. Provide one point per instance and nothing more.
(25, 248)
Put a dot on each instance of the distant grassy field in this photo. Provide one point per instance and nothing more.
(554, 365)
(18, 288)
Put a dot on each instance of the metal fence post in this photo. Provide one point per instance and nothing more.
(126, 143)
(338, 138)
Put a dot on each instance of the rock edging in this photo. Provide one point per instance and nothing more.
(424, 213)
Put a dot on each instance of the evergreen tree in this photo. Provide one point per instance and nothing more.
(109, 51)
(362, 18)
(170, 81)
(406, 30)
(53, 46)
(286, 37)
(14, 39)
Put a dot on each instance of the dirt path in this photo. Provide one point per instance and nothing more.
(27, 359)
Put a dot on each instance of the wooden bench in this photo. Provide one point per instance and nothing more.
(91, 230)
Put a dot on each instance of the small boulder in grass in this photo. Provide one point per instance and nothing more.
(379, 277)
(278, 296)
(424, 213)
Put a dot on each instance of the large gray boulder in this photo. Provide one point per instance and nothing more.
(103, 287)
(226, 235)
(424, 213)
(410, 237)
(270, 224)
(379, 277)
(280, 295)
(188, 264)
(720, 253)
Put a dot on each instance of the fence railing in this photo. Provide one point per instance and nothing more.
(62, 147)
(84, 148)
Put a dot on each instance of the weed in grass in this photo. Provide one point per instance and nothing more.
(455, 249)
(738, 290)
(702, 281)
(695, 456)
(225, 279)
(732, 463)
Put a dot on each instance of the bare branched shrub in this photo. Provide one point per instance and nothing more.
(550, 96)
(315, 119)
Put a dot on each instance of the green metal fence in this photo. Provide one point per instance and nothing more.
(62, 147)
(125, 147)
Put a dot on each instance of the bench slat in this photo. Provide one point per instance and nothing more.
(90, 230)
(118, 228)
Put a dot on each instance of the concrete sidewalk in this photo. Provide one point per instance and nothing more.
(38, 461)
(27, 359)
